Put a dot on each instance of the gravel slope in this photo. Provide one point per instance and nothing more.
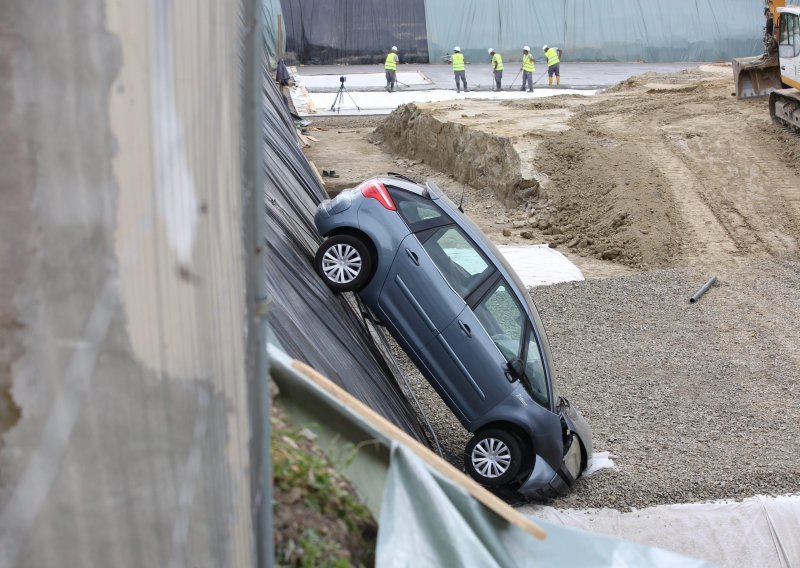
(696, 401)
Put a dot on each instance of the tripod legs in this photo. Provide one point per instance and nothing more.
(338, 100)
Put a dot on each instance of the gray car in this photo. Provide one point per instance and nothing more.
(459, 311)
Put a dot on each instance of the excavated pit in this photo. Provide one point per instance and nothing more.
(648, 174)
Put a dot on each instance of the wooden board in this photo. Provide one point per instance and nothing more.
(497, 505)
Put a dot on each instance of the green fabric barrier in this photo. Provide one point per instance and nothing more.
(427, 520)
(597, 30)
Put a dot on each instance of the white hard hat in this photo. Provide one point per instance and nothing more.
(491, 50)
(526, 48)
(544, 47)
(456, 48)
(394, 48)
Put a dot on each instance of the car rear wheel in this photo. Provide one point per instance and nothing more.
(344, 262)
(493, 457)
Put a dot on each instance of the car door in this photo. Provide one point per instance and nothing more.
(472, 352)
(468, 365)
(415, 299)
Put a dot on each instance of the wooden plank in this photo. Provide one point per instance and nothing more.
(316, 171)
(488, 499)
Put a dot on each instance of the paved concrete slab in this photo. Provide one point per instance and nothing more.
(479, 75)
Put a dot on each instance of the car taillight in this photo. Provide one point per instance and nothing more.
(376, 190)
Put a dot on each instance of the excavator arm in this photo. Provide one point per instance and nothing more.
(759, 76)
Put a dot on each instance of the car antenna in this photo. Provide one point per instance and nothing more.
(462, 200)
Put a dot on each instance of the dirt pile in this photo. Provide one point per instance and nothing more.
(659, 171)
(472, 156)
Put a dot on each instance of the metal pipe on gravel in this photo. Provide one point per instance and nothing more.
(703, 290)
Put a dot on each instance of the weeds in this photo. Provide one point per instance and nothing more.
(319, 519)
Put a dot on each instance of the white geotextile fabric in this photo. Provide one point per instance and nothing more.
(760, 531)
(427, 520)
(538, 265)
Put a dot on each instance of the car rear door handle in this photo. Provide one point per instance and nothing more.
(465, 328)
(413, 256)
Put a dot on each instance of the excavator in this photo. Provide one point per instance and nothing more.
(776, 73)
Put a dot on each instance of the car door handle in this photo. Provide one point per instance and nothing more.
(465, 328)
(783, 67)
(413, 256)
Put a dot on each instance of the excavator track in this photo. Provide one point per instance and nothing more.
(784, 108)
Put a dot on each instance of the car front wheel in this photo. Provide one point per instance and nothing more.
(493, 457)
(344, 262)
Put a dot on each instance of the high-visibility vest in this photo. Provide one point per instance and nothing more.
(391, 62)
(552, 57)
(458, 61)
(527, 63)
(498, 60)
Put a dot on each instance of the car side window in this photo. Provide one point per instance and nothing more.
(418, 213)
(462, 265)
(503, 319)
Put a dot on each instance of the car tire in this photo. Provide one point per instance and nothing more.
(493, 457)
(344, 263)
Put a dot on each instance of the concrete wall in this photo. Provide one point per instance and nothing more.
(122, 285)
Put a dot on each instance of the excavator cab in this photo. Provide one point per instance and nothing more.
(784, 104)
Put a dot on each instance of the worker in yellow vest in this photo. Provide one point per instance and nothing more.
(391, 68)
(528, 67)
(553, 55)
(497, 68)
(457, 59)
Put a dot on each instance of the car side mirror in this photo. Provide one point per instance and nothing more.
(516, 368)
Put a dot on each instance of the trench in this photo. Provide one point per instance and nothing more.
(473, 157)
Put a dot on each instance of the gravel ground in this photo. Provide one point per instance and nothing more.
(695, 401)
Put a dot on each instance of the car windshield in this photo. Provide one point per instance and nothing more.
(504, 320)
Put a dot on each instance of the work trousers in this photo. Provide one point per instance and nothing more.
(527, 80)
(391, 79)
(498, 79)
(463, 76)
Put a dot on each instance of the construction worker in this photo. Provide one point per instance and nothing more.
(391, 68)
(528, 67)
(497, 68)
(457, 59)
(553, 55)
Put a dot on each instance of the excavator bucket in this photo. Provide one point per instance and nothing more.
(756, 76)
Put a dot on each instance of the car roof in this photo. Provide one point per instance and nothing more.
(404, 183)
